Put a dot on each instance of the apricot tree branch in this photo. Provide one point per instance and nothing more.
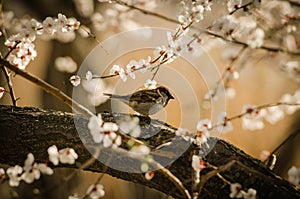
(25, 130)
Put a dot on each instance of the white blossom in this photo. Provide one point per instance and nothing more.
(104, 132)
(98, 21)
(294, 175)
(293, 69)
(117, 70)
(250, 194)
(252, 124)
(88, 76)
(250, 111)
(95, 191)
(273, 114)
(30, 173)
(236, 190)
(131, 67)
(203, 127)
(84, 7)
(34, 26)
(67, 156)
(184, 133)
(290, 99)
(196, 163)
(14, 174)
(150, 84)
(233, 4)
(230, 93)
(49, 25)
(33, 170)
(224, 125)
(264, 155)
(75, 80)
(149, 175)
(140, 150)
(256, 38)
(131, 127)
(145, 64)
(231, 73)
(65, 64)
(53, 154)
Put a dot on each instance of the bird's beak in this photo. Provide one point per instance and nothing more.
(171, 97)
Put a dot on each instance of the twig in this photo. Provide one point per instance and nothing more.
(211, 174)
(10, 86)
(272, 49)
(241, 7)
(7, 76)
(94, 37)
(232, 63)
(173, 178)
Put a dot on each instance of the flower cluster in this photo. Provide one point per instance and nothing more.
(253, 117)
(236, 191)
(203, 127)
(243, 28)
(21, 44)
(22, 50)
(104, 132)
(64, 156)
(193, 12)
(29, 172)
(142, 65)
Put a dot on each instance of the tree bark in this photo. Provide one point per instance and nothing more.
(25, 129)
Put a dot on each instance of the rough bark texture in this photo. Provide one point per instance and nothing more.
(26, 129)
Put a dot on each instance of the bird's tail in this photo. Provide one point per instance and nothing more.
(108, 94)
(115, 96)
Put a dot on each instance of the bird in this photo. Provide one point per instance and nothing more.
(146, 101)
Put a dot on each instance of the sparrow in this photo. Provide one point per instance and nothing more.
(146, 101)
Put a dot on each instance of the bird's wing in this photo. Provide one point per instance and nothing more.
(123, 97)
(149, 96)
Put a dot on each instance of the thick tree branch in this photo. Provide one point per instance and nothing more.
(24, 130)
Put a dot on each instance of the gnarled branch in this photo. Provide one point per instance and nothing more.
(25, 129)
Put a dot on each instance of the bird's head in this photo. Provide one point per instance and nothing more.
(166, 92)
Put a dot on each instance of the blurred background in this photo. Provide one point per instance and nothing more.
(261, 81)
